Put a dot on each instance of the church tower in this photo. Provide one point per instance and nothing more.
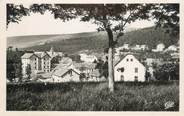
(52, 51)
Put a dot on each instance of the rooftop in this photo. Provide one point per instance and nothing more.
(27, 55)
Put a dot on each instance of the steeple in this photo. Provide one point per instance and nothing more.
(52, 50)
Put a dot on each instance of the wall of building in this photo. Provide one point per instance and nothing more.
(25, 62)
(69, 77)
(46, 64)
(130, 63)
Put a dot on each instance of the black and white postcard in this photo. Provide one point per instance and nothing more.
(115, 57)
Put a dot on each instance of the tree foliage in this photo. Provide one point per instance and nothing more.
(111, 18)
(102, 67)
(14, 65)
(55, 60)
(167, 16)
(28, 71)
(15, 13)
(167, 71)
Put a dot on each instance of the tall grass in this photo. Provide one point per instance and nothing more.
(93, 97)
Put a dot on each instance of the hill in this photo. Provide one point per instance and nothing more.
(94, 41)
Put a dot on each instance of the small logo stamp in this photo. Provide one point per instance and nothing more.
(169, 104)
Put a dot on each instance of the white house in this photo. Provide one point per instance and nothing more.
(39, 62)
(65, 71)
(65, 75)
(29, 59)
(52, 53)
(87, 58)
(140, 47)
(129, 69)
(87, 69)
(150, 61)
(160, 47)
(136, 47)
(172, 48)
(124, 47)
(144, 47)
(43, 61)
(121, 49)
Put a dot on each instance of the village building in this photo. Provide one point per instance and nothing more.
(87, 58)
(151, 61)
(65, 71)
(88, 70)
(160, 47)
(29, 58)
(129, 68)
(136, 47)
(66, 75)
(140, 47)
(144, 47)
(40, 62)
(124, 47)
(43, 61)
(175, 56)
(52, 53)
(171, 48)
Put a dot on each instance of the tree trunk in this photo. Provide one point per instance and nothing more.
(110, 69)
(110, 60)
(169, 78)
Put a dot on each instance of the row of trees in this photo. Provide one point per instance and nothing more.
(112, 18)
(167, 71)
(14, 65)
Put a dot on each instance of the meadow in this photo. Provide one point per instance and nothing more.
(93, 96)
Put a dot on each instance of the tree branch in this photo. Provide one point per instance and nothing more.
(122, 27)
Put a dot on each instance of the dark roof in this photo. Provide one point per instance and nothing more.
(62, 72)
(133, 54)
(27, 55)
(42, 54)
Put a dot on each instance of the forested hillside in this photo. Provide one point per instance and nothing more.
(95, 41)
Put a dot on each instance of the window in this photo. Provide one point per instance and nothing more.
(131, 59)
(127, 60)
(136, 78)
(136, 70)
(121, 69)
(70, 72)
(122, 78)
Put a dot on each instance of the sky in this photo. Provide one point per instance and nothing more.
(37, 24)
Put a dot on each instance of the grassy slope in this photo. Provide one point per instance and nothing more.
(93, 97)
(94, 41)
